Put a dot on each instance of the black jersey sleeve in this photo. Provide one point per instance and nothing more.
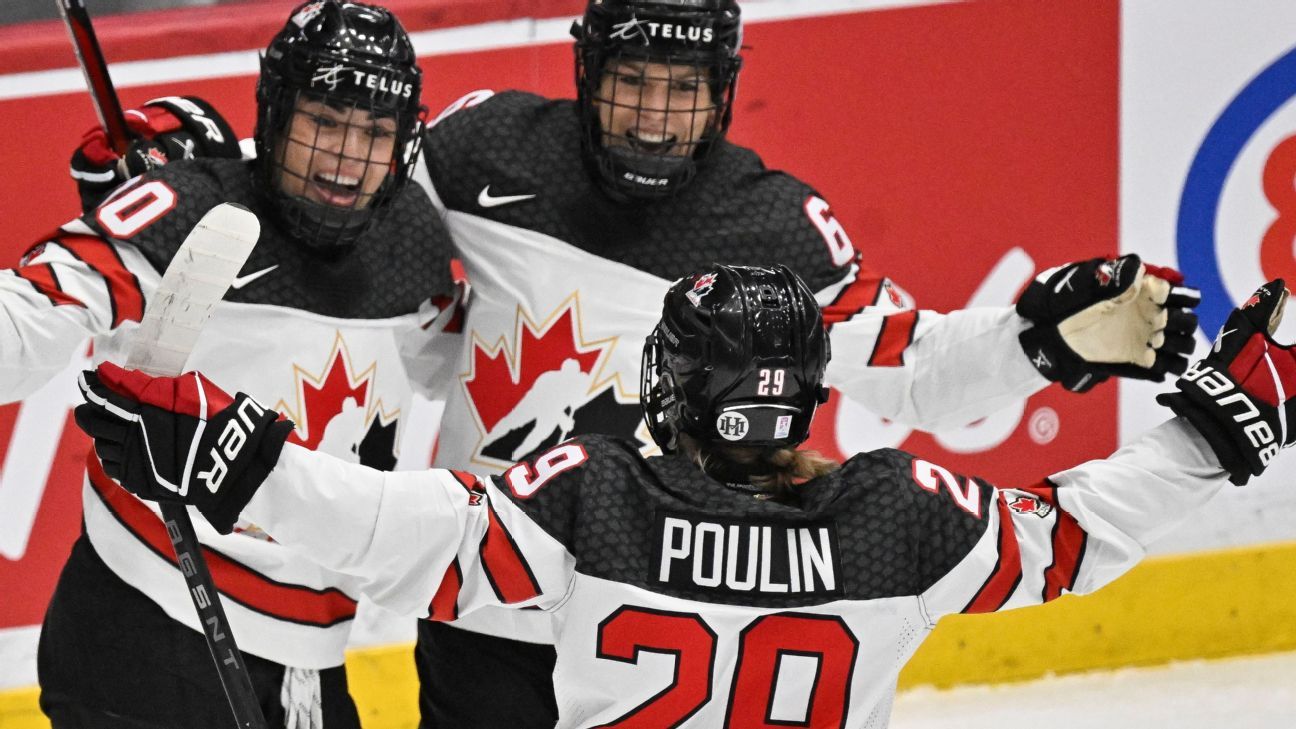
(481, 139)
(156, 211)
(552, 487)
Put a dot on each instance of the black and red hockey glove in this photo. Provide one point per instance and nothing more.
(1102, 317)
(1240, 397)
(166, 129)
(180, 439)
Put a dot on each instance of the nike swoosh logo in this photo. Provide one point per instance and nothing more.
(241, 281)
(487, 200)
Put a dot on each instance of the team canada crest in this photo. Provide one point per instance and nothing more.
(307, 14)
(892, 294)
(701, 287)
(338, 412)
(545, 386)
(1030, 505)
(1109, 271)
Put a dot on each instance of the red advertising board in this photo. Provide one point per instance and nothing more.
(960, 144)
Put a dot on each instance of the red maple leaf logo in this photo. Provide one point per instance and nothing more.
(322, 397)
(1030, 505)
(892, 294)
(502, 375)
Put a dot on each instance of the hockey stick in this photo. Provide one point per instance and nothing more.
(90, 57)
(196, 279)
(198, 276)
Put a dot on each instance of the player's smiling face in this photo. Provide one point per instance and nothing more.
(336, 156)
(654, 108)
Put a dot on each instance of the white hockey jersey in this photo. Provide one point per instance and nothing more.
(317, 338)
(566, 285)
(679, 601)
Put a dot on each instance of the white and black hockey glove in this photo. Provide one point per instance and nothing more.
(180, 439)
(1240, 397)
(1108, 317)
(166, 129)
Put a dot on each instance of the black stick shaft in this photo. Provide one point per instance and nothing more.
(234, 675)
(91, 59)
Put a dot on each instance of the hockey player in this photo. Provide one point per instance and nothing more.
(573, 217)
(569, 252)
(352, 265)
(735, 581)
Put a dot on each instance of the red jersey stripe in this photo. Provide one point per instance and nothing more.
(861, 292)
(445, 603)
(123, 287)
(507, 571)
(1068, 543)
(467, 480)
(45, 281)
(896, 336)
(476, 492)
(459, 275)
(1007, 573)
(293, 603)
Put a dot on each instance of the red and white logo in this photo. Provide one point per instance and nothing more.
(1109, 271)
(337, 412)
(307, 13)
(701, 287)
(156, 157)
(1030, 505)
(892, 294)
(544, 385)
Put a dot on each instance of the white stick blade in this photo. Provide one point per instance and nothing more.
(196, 279)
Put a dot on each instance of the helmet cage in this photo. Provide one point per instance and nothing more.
(351, 58)
(740, 363)
(693, 48)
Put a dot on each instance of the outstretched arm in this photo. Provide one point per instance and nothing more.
(929, 370)
(1076, 324)
(1080, 529)
(68, 287)
(431, 543)
(1077, 530)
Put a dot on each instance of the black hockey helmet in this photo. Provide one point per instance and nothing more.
(350, 57)
(697, 43)
(738, 358)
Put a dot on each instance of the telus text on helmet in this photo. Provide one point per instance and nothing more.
(646, 30)
(332, 76)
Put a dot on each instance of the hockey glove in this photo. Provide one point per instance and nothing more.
(1104, 317)
(180, 439)
(1240, 396)
(165, 129)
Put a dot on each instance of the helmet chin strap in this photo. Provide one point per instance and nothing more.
(640, 176)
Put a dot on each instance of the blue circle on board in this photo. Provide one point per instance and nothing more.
(1195, 239)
